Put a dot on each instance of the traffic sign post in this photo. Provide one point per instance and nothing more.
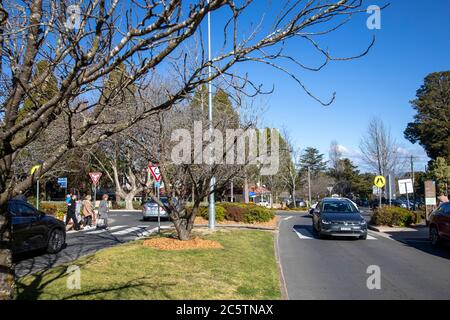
(405, 186)
(379, 182)
(95, 177)
(154, 170)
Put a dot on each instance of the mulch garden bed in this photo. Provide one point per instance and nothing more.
(164, 243)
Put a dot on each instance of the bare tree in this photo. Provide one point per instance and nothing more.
(290, 168)
(84, 47)
(379, 150)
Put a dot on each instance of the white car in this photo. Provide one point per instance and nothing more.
(263, 203)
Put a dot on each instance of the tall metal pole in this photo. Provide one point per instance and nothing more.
(390, 191)
(159, 208)
(413, 182)
(37, 194)
(309, 185)
(212, 182)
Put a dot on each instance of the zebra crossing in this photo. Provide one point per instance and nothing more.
(305, 233)
(120, 230)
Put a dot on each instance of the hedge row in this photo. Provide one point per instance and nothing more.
(240, 212)
(57, 209)
(394, 216)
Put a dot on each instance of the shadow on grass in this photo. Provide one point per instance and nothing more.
(41, 281)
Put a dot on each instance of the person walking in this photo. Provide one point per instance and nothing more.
(88, 212)
(103, 211)
(78, 205)
(71, 213)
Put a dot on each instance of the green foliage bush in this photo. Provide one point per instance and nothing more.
(57, 209)
(258, 214)
(220, 213)
(393, 216)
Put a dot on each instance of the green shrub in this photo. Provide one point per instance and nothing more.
(393, 216)
(57, 209)
(258, 214)
(220, 213)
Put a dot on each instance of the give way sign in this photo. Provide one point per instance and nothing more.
(154, 170)
(95, 177)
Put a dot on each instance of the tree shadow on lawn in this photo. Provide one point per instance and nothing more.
(43, 279)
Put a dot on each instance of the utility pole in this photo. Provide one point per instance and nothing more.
(232, 192)
(212, 182)
(390, 190)
(309, 185)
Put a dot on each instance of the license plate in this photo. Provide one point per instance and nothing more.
(346, 229)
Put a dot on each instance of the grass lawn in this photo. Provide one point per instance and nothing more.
(244, 269)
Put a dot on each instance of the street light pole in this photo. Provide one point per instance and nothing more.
(309, 184)
(212, 182)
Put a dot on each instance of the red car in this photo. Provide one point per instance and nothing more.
(440, 224)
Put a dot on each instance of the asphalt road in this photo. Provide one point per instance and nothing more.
(124, 226)
(337, 268)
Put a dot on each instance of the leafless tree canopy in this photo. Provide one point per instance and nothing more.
(145, 38)
(379, 150)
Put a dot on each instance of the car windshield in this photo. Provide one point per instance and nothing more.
(163, 200)
(339, 207)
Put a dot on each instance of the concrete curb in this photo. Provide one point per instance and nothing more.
(283, 287)
(373, 228)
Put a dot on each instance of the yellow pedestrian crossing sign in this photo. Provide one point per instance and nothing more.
(379, 181)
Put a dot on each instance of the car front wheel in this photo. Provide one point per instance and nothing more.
(363, 237)
(56, 241)
(434, 236)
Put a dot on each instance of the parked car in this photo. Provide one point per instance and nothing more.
(399, 203)
(263, 203)
(33, 229)
(440, 224)
(298, 204)
(338, 217)
(150, 209)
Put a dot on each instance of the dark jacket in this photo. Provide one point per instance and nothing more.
(71, 206)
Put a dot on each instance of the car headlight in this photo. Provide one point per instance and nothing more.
(363, 222)
(326, 221)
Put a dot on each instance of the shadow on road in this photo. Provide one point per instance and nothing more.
(419, 240)
(311, 233)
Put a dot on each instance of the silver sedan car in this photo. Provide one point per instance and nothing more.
(150, 209)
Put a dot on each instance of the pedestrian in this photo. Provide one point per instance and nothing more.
(103, 210)
(71, 213)
(88, 212)
(78, 205)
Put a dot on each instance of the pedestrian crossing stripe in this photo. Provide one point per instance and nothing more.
(305, 234)
(129, 230)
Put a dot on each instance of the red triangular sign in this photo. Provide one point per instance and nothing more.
(154, 170)
(95, 177)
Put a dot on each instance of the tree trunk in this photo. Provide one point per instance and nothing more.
(6, 269)
(129, 201)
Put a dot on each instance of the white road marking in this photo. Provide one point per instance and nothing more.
(287, 218)
(125, 215)
(303, 233)
(104, 230)
(129, 230)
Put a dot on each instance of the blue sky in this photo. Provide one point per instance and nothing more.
(414, 41)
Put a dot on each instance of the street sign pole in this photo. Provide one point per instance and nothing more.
(37, 194)
(159, 208)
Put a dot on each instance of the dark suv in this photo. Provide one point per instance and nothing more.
(33, 229)
(440, 224)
